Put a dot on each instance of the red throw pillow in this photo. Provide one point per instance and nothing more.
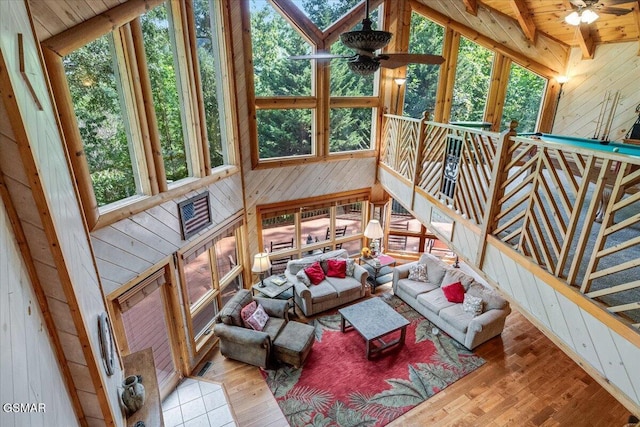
(454, 292)
(337, 268)
(315, 273)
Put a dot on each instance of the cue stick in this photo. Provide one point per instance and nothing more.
(603, 107)
(614, 104)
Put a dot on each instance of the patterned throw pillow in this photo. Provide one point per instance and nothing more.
(258, 319)
(302, 276)
(454, 292)
(351, 267)
(418, 272)
(472, 304)
(247, 311)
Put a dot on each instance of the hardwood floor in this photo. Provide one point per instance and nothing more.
(527, 381)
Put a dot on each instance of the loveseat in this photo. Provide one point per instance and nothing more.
(330, 292)
(424, 292)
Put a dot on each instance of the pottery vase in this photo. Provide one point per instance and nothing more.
(133, 393)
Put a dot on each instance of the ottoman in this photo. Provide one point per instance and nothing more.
(293, 343)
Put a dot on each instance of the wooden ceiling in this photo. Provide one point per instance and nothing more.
(532, 16)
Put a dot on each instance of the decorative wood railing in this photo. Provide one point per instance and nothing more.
(545, 203)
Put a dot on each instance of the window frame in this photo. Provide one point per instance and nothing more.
(320, 101)
(201, 343)
(123, 22)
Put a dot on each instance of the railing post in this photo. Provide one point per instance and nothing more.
(417, 168)
(498, 173)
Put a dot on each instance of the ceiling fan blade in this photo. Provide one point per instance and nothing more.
(321, 56)
(615, 2)
(618, 11)
(395, 60)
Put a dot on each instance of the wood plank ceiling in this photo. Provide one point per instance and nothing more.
(532, 16)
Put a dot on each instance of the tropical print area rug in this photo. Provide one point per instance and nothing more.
(338, 386)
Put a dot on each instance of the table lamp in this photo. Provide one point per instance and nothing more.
(261, 264)
(375, 233)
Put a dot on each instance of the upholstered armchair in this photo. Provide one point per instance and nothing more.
(245, 344)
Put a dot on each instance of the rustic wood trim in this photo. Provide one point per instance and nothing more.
(636, 17)
(53, 243)
(25, 74)
(586, 41)
(523, 15)
(497, 91)
(72, 137)
(549, 106)
(483, 40)
(444, 92)
(148, 123)
(496, 189)
(96, 27)
(355, 102)
(471, 6)
(299, 21)
(143, 203)
(187, 12)
(275, 103)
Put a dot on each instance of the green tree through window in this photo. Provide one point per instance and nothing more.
(524, 99)
(471, 87)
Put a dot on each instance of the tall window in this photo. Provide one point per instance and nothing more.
(471, 87)
(296, 117)
(422, 80)
(523, 101)
(101, 112)
(209, 48)
(407, 236)
(211, 274)
(134, 94)
(305, 228)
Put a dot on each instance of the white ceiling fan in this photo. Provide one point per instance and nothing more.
(364, 43)
(586, 11)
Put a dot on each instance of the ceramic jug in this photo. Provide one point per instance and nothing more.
(133, 394)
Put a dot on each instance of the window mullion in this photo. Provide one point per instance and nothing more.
(133, 109)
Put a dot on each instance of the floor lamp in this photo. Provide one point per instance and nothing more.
(399, 82)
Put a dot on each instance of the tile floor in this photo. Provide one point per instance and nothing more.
(197, 403)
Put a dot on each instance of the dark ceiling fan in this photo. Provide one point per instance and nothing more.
(364, 43)
(586, 11)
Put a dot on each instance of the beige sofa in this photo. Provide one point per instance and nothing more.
(332, 291)
(428, 299)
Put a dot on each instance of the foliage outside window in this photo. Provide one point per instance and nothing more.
(95, 87)
(523, 101)
(209, 54)
(107, 85)
(471, 87)
(288, 119)
(425, 36)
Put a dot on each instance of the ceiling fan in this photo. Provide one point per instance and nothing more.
(364, 43)
(585, 10)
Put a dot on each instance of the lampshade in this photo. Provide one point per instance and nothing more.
(374, 230)
(399, 81)
(261, 263)
(588, 16)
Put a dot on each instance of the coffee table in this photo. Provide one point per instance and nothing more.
(374, 320)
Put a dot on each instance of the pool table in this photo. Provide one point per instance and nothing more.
(594, 144)
(607, 146)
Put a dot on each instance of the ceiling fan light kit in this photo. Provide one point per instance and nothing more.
(364, 66)
(586, 16)
(366, 39)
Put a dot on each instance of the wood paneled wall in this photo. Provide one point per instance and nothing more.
(29, 367)
(131, 246)
(54, 228)
(615, 67)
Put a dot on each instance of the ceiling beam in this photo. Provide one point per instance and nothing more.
(471, 6)
(524, 19)
(585, 40)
